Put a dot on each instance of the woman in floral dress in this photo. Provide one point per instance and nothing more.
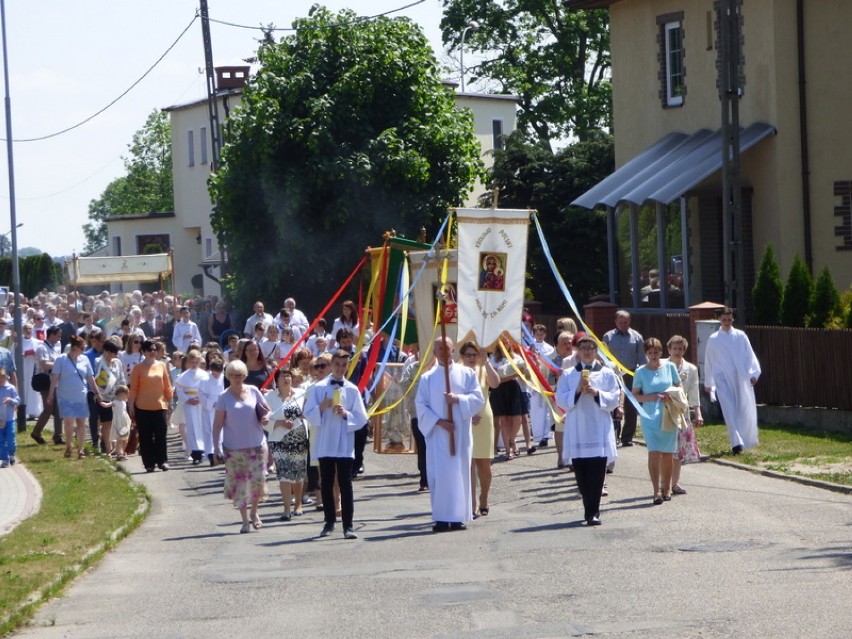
(241, 414)
(288, 441)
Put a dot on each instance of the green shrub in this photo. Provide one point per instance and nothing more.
(768, 291)
(796, 305)
(826, 301)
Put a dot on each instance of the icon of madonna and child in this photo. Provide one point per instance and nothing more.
(492, 277)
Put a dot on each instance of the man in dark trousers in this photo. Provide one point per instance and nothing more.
(626, 345)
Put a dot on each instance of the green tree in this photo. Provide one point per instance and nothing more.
(529, 175)
(798, 291)
(555, 59)
(768, 291)
(147, 186)
(345, 132)
(826, 301)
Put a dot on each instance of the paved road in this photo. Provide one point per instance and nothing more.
(740, 556)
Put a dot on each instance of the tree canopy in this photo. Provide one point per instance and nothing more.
(556, 60)
(345, 132)
(531, 176)
(147, 186)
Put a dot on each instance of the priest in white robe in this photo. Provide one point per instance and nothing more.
(448, 475)
(731, 370)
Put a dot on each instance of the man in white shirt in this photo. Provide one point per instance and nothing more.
(731, 370)
(185, 331)
(335, 407)
(297, 317)
(259, 316)
(46, 353)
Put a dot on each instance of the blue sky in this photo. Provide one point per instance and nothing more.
(69, 59)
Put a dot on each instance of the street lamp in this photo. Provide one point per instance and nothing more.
(473, 24)
(2, 244)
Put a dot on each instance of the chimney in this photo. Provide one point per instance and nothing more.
(231, 77)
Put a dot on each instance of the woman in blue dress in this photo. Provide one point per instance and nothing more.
(649, 385)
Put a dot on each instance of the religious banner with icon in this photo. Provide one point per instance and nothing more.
(492, 261)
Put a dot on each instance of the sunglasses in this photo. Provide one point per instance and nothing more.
(318, 367)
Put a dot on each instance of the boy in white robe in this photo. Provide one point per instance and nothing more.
(731, 370)
(188, 389)
(449, 475)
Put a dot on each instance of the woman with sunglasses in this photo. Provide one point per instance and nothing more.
(150, 396)
(318, 368)
(483, 426)
(132, 353)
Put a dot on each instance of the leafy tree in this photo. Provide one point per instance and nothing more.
(557, 60)
(147, 186)
(826, 301)
(768, 291)
(529, 175)
(37, 272)
(797, 294)
(345, 132)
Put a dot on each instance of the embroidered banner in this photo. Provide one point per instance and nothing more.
(427, 291)
(492, 264)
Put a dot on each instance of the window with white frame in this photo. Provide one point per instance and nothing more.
(190, 142)
(203, 143)
(497, 135)
(672, 73)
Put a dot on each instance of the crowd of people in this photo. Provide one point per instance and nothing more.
(121, 370)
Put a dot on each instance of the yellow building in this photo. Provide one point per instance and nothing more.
(664, 202)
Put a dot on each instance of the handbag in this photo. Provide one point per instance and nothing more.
(40, 382)
(132, 442)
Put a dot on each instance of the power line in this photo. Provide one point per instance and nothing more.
(336, 25)
(128, 90)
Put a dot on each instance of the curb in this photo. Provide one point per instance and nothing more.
(774, 474)
(32, 497)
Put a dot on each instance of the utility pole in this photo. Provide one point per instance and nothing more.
(16, 271)
(732, 210)
(212, 104)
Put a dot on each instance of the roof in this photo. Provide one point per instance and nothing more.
(669, 168)
(589, 4)
(141, 216)
(189, 105)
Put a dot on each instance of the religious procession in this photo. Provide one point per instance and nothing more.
(439, 359)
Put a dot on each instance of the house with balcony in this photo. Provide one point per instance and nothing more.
(669, 228)
(198, 258)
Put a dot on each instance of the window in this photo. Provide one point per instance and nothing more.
(208, 247)
(116, 246)
(190, 141)
(203, 143)
(672, 72)
(497, 135)
(674, 64)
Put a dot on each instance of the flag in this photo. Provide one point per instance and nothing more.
(427, 291)
(492, 262)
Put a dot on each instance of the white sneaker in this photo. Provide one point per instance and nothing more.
(4, 464)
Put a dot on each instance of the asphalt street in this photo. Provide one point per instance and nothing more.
(741, 555)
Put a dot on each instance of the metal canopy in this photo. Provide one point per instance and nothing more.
(668, 169)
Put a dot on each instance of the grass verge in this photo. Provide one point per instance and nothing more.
(791, 450)
(87, 507)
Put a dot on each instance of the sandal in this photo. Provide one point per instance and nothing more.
(257, 523)
(246, 527)
(284, 517)
(677, 490)
(483, 512)
(67, 452)
(298, 512)
(658, 499)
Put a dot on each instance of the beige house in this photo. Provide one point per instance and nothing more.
(664, 202)
(197, 257)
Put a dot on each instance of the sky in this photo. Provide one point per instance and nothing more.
(68, 60)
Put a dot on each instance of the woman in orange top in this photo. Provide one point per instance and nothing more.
(150, 395)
